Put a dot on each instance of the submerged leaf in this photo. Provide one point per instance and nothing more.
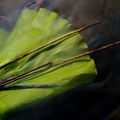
(32, 31)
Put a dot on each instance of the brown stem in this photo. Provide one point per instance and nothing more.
(51, 42)
(3, 18)
(51, 65)
(30, 3)
(16, 78)
(34, 86)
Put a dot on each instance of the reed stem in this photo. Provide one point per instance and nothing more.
(51, 65)
(58, 39)
(35, 86)
(3, 18)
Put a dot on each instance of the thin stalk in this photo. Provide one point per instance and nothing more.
(37, 5)
(91, 52)
(3, 18)
(15, 78)
(30, 3)
(51, 65)
(61, 38)
(35, 86)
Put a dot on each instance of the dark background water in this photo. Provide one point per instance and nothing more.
(101, 99)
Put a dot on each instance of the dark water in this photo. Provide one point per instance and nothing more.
(100, 100)
(11, 9)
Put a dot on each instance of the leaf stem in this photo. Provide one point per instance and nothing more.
(51, 65)
(26, 74)
(61, 38)
(30, 3)
(35, 86)
(3, 18)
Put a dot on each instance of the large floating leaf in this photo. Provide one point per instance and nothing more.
(32, 31)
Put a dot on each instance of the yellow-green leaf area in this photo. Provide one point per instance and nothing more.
(33, 30)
